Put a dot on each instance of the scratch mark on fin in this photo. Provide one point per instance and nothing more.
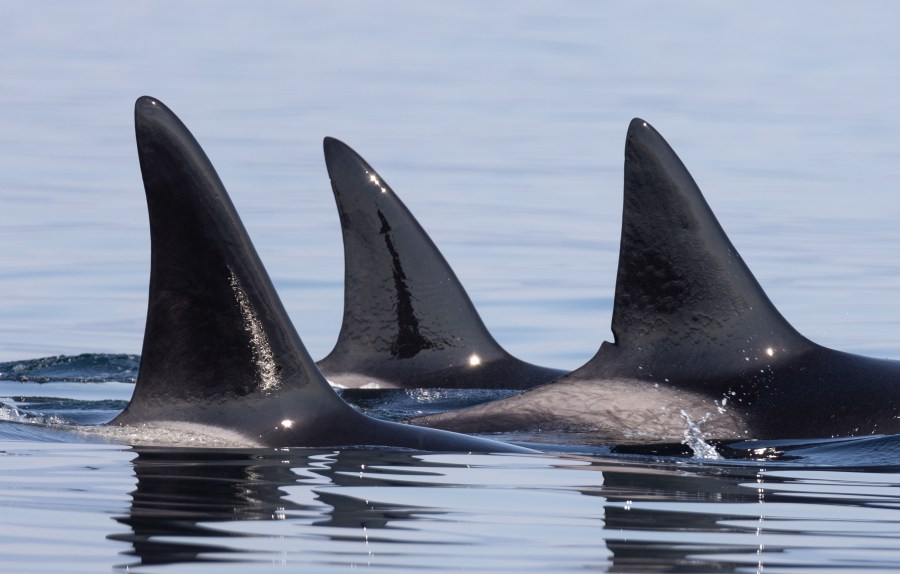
(262, 351)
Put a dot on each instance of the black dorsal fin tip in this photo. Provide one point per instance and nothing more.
(215, 326)
(681, 284)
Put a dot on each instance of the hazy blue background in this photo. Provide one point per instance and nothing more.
(500, 124)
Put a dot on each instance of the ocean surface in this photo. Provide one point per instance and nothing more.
(501, 126)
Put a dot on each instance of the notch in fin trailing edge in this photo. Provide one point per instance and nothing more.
(686, 305)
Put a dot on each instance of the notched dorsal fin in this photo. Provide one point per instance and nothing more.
(407, 321)
(215, 329)
(685, 301)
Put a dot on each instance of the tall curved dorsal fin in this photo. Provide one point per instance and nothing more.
(219, 348)
(408, 321)
(686, 305)
(216, 328)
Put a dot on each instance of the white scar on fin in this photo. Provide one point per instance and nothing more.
(262, 351)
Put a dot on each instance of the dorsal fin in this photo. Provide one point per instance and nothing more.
(408, 321)
(219, 348)
(216, 328)
(686, 305)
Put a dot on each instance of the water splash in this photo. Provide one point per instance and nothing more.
(720, 407)
(694, 437)
(11, 413)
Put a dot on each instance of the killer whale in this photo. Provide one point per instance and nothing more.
(407, 322)
(220, 353)
(694, 334)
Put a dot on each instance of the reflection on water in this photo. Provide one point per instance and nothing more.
(816, 503)
(822, 503)
(376, 508)
(388, 510)
(501, 126)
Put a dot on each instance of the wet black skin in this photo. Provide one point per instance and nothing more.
(693, 326)
(219, 349)
(408, 322)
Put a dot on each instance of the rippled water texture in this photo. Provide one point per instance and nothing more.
(777, 505)
(501, 126)
(237, 511)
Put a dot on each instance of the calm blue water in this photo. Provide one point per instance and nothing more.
(502, 127)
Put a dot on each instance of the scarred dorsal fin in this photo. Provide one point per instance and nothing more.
(408, 321)
(215, 329)
(220, 353)
(686, 305)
